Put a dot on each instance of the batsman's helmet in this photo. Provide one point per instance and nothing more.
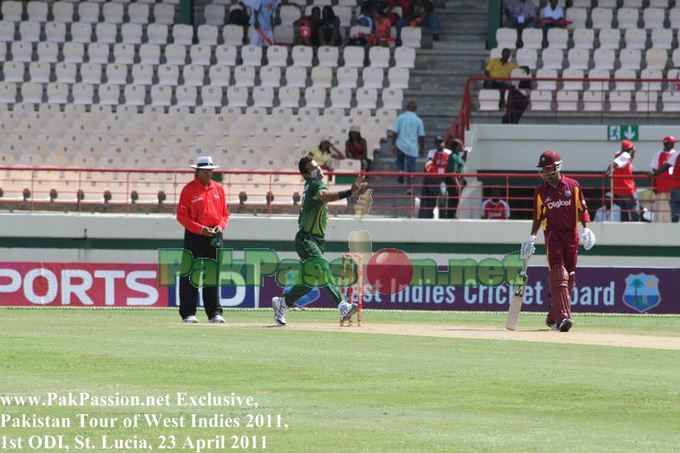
(549, 158)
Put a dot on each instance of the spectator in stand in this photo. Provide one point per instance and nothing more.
(325, 153)
(239, 16)
(383, 29)
(307, 28)
(500, 68)
(664, 182)
(421, 13)
(356, 148)
(454, 184)
(552, 15)
(391, 14)
(623, 183)
(408, 141)
(520, 14)
(329, 29)
(261, 19)
(495, 207)
(434, 184)
(609, 211)
(365, 19)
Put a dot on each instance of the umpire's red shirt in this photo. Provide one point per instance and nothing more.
(201, 206)
(561, 207)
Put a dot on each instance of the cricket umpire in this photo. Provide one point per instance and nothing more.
(202, 211)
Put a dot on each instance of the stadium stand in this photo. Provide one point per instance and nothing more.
(605, 39)
(92, 77)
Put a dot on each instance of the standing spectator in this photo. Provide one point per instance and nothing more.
(356, 148)
(552, 15)
(623, 183)
(495, 207)
(663, 179)
(608, 212)
(329, 29)
(518, 99)
(673, 180)
(436, 167)
(408, 141)
(261, 21)
(520, 14)
(307, 28)
(421, 13)
(202, 211)
(455, 183)
(500, 68)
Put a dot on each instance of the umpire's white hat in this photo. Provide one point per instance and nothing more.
(204, 163)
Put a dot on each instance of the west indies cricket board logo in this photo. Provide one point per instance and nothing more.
(642, 292)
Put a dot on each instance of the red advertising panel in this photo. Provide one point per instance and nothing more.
(81, 285)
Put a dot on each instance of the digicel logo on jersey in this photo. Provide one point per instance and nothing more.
(558, 204)
(81, 284)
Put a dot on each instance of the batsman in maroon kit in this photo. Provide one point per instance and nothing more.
(559, 206)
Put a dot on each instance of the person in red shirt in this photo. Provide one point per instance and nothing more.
(202, 211)
(665, 178)
(496, 208)
(559, 206)
(436, 167)
(623, 183)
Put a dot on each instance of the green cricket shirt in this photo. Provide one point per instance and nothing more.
(313, 212)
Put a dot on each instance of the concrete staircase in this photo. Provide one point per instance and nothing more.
(438, 81)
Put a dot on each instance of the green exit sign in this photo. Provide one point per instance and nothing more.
(624, 132)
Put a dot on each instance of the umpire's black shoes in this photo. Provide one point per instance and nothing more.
(565, 325)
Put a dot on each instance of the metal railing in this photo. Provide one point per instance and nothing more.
(650, 106)
(405, 195)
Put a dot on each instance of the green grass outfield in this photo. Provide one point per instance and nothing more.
(340, 392)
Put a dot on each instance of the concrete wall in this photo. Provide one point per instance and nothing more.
(618, 244)
(516, 147)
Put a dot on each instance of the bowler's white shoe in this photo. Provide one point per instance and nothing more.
(280, 309)
(190, 320)
(347, 310)
(217, 319)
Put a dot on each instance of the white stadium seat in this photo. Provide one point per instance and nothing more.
(48, 52)
(168, 74)
(138, 13)
(142, 74)
(65, 72)
(219, 75)
(39, 72)
(132, 33)
(157, 34)
(57, 93)
(55, 32)
(83, 94)
(109, 94)
(81, 32)
(91, 73)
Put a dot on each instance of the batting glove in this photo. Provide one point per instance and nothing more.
(528, 248)
(587, 238)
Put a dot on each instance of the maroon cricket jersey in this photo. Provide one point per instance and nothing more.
(561, 207)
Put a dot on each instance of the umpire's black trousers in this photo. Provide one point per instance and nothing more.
(200, 247)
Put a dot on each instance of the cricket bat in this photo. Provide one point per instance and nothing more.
(517, 299)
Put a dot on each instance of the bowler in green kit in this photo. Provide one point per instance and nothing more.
(310, 239)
